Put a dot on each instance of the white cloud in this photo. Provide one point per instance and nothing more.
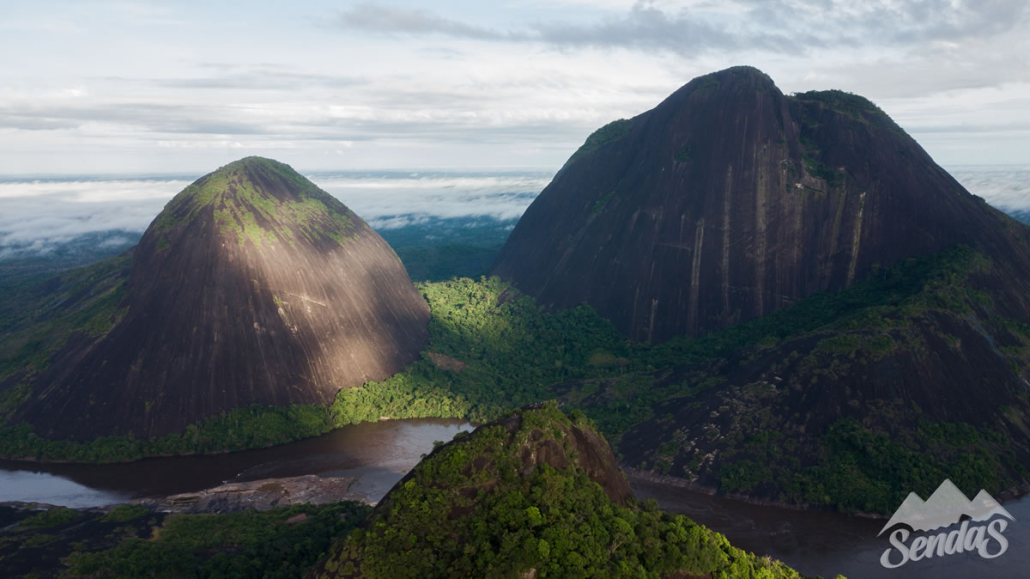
(37, 215)
(129, 87)
(1007, 188)
(393, 202)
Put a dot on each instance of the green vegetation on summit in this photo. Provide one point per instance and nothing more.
(609, 133)
(245, 206)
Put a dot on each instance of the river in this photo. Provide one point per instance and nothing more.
(377, 453)
(815, 543)
(828, 543)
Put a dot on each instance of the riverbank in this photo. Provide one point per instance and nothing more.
(375, 455)
(136, 541)
(260, 495)
(826, 543)
(676, 482)
(1009, 494)
(814, 541)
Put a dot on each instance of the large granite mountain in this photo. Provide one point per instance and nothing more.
(730, 200)
(835, 320)
(253, 286)
(536, 493)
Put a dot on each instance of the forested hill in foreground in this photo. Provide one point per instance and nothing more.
(535, 494)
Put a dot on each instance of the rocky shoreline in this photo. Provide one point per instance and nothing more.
(260, 495)
(231, 530)
(266, 494)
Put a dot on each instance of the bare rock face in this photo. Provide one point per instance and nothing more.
(253, 286)
(730, 200)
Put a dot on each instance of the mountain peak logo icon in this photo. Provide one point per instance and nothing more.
(944, 508)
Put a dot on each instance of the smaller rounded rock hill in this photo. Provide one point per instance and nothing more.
(253, 286)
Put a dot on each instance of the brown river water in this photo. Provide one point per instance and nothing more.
(379, 454)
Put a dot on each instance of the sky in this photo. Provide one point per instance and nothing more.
(130, 88)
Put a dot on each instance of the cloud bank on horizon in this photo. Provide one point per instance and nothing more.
(132, 87)
(37, 217)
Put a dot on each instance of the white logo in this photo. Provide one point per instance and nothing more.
(946, 507)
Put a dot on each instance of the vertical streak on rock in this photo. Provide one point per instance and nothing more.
(799, 206)
(856, 239)
(654, 312)
(633, 318)
(760, 242)
(726, 196)
(653, 289)
(681, 294)
(695, 274)
(827, 267)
